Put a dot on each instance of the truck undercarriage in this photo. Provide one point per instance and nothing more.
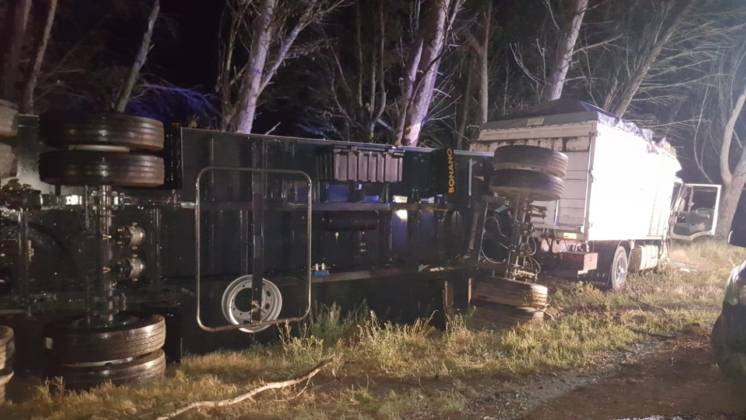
(122, 243)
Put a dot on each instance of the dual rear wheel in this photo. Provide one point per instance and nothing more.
(522, 174)
(7, 355)
(501, 303)
(102, 149)
(531, 171)
(8, 119)
(127, 351)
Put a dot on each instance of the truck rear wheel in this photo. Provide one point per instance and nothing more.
(72, 342)
(534, 185)
(8, 119)
(5, 376)
(63, 130)
(135, 370)
(128, 351)
(7, 354)
(119, 169)
(7, 347)
(490, 315)
(612, 267)
(532, 158)
(511, 292)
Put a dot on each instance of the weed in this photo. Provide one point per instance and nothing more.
(387, 370)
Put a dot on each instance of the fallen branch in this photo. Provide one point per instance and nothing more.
(652, 334)
(250, 394)
(649, 306)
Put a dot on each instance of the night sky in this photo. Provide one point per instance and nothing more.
(185, 51)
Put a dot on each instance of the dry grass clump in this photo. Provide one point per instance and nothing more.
(387, 370)
(708, 255)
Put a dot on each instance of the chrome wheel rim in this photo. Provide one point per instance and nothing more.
(270, 304)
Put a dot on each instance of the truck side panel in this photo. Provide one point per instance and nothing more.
(568, 213)
(631, 187)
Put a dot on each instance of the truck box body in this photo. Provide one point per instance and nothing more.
(619, 183)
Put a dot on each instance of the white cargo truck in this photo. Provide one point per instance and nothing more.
(622, 193)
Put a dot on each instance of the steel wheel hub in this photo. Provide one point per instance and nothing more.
(620, 270)
(270, 304)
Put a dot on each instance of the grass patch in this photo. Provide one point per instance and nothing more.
(386, 370)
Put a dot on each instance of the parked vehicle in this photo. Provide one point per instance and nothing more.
(729, 332)
(695, 211)
(622, 191)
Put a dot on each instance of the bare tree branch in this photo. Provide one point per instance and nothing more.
(27, 104)
(15, 35)
(250, 394)
(140, 58)
(562, 58)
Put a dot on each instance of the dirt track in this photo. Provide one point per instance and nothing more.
(678, 378)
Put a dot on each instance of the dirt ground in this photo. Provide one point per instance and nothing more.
(668, 379)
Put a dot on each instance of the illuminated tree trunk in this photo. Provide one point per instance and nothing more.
(252, 86)
(562, 58)
(15, 35)
(139, 62)
(484, 67)
(728, 205)
(27, 104)
(433, 39)
(733, 181)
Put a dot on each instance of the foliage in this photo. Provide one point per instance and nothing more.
(341, 75)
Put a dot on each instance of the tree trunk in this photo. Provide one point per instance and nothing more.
(27, 104)
(465, 106)
(728, 206)
(484, 87)
(407, 89)
(15, 35)
(641, 71)
(562, 57)
(140, 58)
(432, 48)
(262, 36)
(733, 181)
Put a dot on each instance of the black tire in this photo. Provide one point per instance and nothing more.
(613, 268)
(490, 315)
(534, 185)
(532, 158)
(8, 119)
(7, 347)
(109, 129)
(139, 370)
(731, 363)
(70, 343)
(7, 355)
(101, 168)
(511, 292)
(5, 376)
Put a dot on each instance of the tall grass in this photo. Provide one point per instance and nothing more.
(380, 367)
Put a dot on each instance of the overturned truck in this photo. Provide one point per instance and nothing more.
(123, 240)
(622, 200)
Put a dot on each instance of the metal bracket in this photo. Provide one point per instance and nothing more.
(198, 246)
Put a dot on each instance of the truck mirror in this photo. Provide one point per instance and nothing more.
(737, 235)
